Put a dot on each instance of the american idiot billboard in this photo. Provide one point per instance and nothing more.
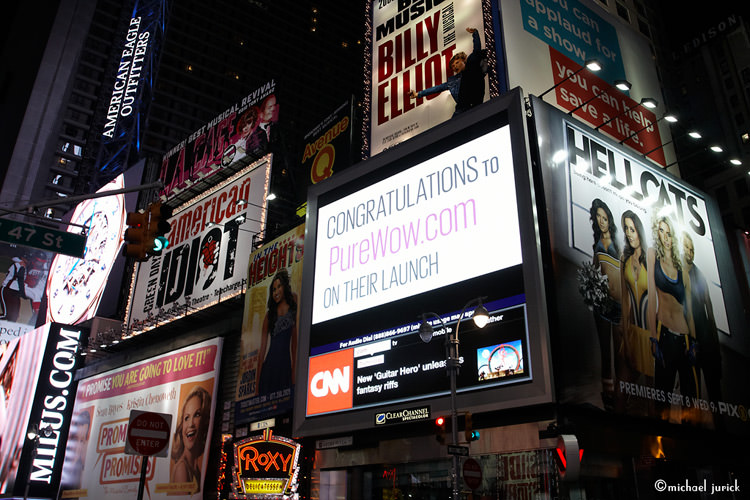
(553, 39)
(437, 222)
(240, 134)
(182, 383)
(210, 241)
(411, 49)
(641, 269)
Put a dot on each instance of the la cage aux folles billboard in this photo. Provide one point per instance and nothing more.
(412, 46)
(640, 269)
(242, 133)
(210, 241)
(425, 228)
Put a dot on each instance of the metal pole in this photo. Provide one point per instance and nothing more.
(144, 464)
(453, 361)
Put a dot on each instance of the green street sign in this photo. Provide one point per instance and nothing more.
(51, 240)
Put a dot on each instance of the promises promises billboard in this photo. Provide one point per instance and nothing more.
(412, 47)
(422, 232)
(181, 383)
(209, 243)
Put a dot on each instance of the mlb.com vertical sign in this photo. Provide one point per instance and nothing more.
(330, 383)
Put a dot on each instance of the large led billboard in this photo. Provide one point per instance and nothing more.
(412, 45)
(639, 260)
(426, 228)
(210, 241)
(182, 383)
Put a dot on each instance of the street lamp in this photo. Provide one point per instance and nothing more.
(481, 317)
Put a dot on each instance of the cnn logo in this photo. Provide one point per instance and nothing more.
(330, 382)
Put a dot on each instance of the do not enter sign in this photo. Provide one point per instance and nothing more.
(472, 473)
(148, 433)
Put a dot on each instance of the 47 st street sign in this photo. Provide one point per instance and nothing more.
(44, 238)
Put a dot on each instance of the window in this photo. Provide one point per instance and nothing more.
(643, 26)
(740, 187)
(622, 11)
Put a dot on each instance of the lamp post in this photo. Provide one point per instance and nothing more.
(481, 317)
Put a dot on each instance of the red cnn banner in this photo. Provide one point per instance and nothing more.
(609, 102)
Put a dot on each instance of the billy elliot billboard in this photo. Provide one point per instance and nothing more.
(209, 243)
(37, 391)
(423, 229)
(241, 134)
(413, 46)
(639, 262)
(552, 39)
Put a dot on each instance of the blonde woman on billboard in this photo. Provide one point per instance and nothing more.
(278, 344)
(636, 347)
(670, 317)
(189, 442)
(607, 317)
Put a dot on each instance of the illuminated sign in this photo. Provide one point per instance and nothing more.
(401, 416)
(424, 228)
(125, 89)
(265, 466)
(326, 143)
(240, 134)
(210, 240)
(41, 395)
(402, 236)
(412, 46)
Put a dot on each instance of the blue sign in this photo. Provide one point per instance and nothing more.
(575, 31)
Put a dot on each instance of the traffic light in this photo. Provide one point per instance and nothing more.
(469, 433)
(440, 430)
(158, 227)
(568, 457)
(135, 236)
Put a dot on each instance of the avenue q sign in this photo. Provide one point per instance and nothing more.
(265, 466)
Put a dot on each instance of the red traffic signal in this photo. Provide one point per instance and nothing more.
(440, 430)
(135, 236)
(568, 457)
